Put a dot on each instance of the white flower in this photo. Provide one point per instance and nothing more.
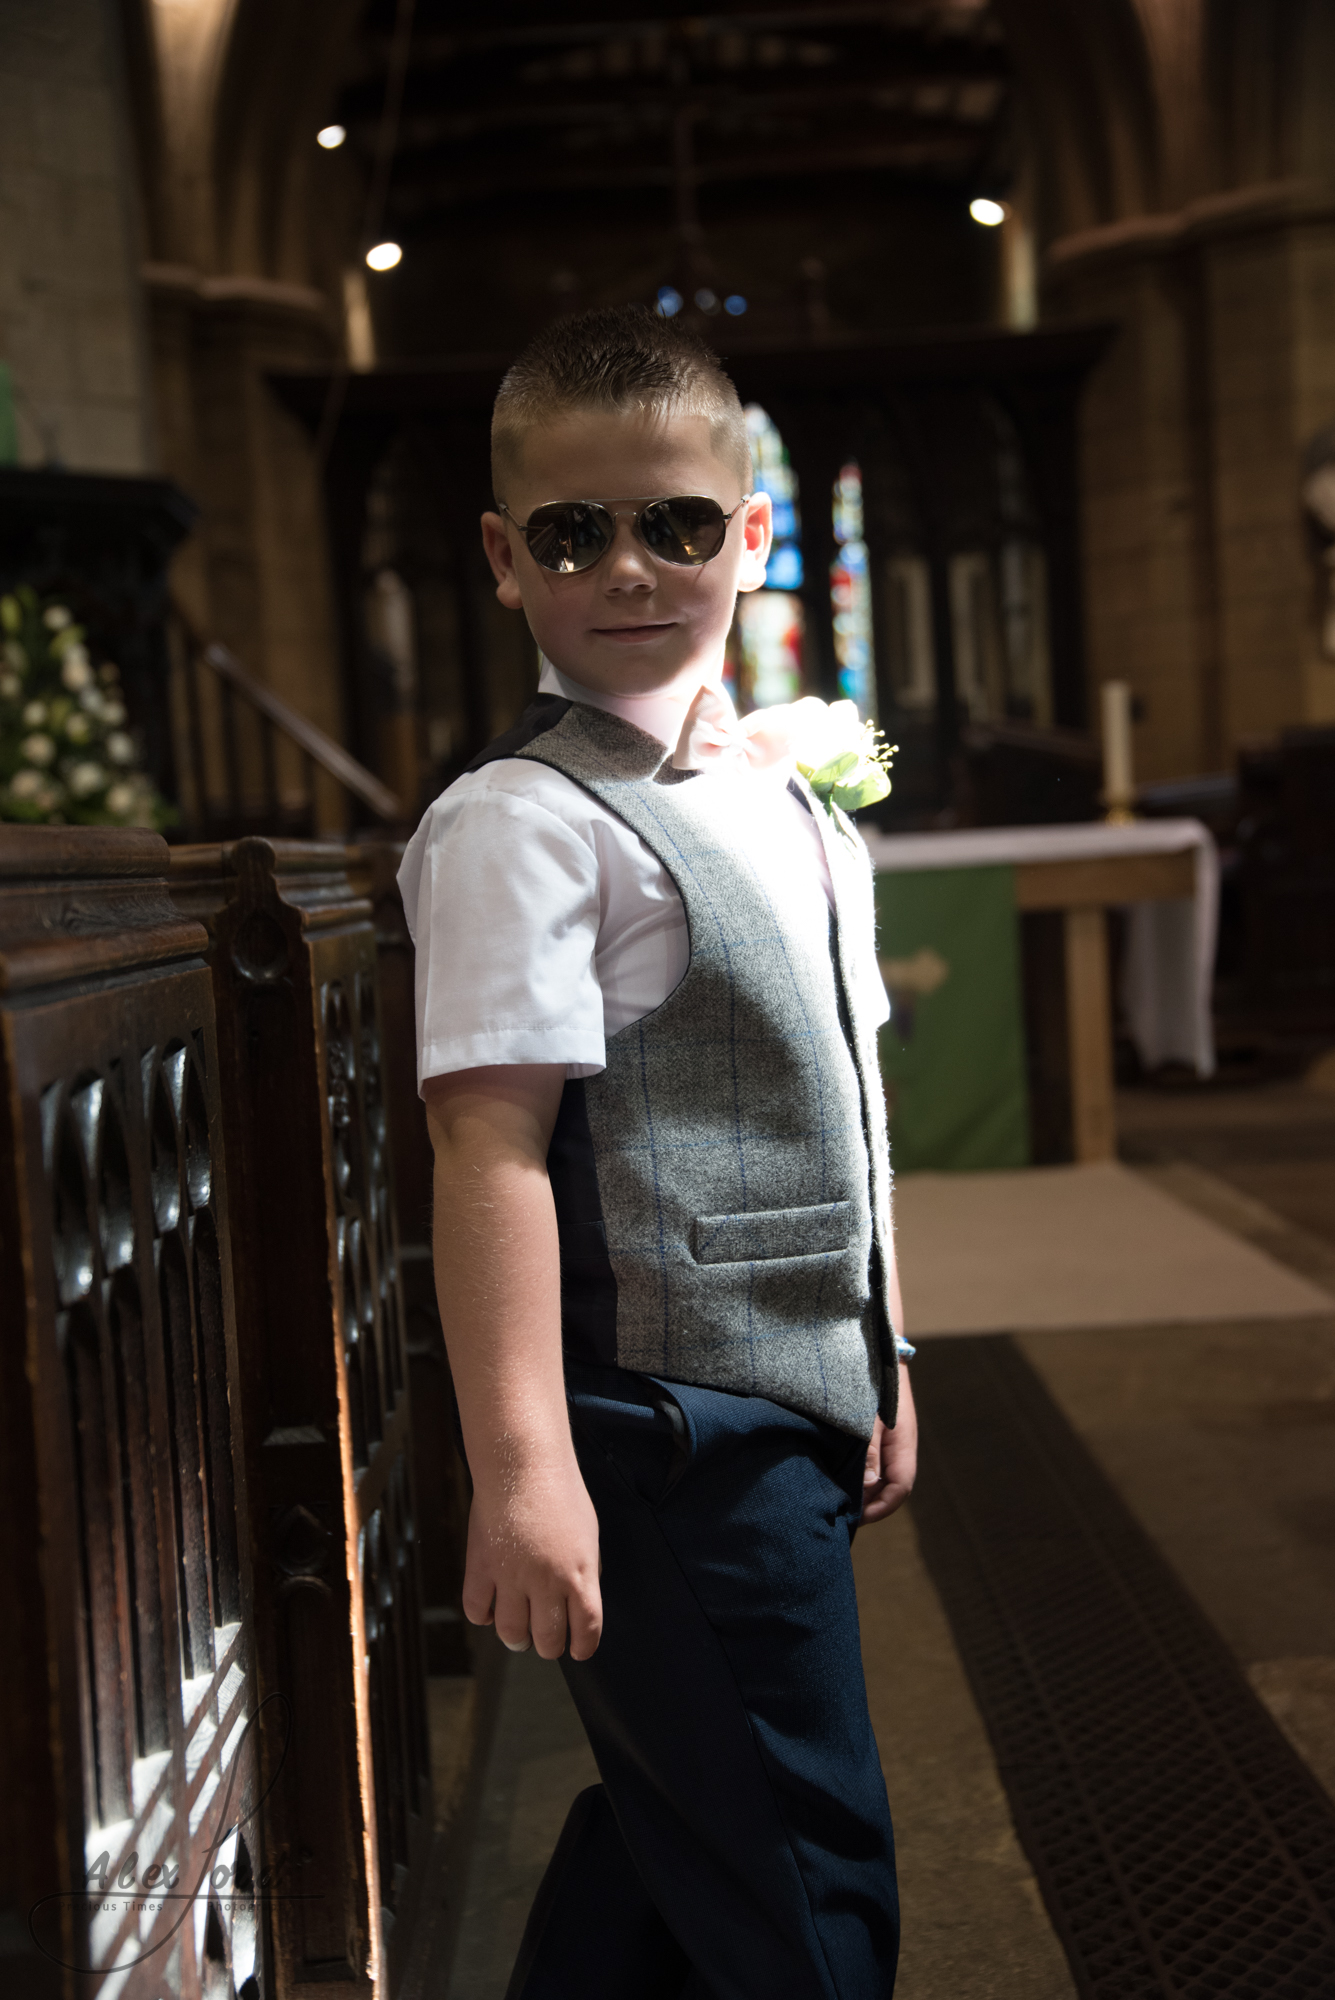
(34, 715)
(38, 749)
(78, 728)
(93, 700)
(825, 731)
(85, 779)
(113, 713)
(56, 617)
(26, 784)
(120, 747)
(75, 670)
(844, 759)
(121, 797)
(10, 686)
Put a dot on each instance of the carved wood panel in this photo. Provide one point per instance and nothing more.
(128, 1725)
(321, 1310)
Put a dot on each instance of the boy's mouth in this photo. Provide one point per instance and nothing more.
(630, 635)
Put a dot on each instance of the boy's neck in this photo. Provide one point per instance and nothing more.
(659, 714)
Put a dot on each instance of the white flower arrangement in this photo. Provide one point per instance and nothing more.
(65, 752)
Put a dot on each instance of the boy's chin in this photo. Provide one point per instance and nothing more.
(649, 667)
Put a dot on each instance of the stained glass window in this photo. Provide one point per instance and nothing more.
(850, 594)
(775, 476)
(769, 628)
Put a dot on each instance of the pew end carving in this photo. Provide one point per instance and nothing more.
(127, 1746)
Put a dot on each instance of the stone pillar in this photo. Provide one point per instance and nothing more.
(71, 315)
(257, 575)
(1200, 587)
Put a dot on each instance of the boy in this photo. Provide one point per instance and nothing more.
(647, 1001)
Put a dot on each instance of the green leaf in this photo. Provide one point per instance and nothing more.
(11, 616)
(831, 773)
(866, 792)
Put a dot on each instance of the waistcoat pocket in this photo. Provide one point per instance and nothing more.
(774, 1232)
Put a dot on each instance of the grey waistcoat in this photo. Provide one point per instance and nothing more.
(722, 1187)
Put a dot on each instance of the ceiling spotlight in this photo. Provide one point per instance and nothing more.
(989, 213)
(384, 256)
(736, 305)
(330, 136)
(669, 300)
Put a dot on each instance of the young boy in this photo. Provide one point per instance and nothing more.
(647, 1006)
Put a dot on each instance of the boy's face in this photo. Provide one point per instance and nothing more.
(630, 624)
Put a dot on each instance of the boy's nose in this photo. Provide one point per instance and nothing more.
(628, 564)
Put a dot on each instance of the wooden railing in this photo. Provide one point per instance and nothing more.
(248, 762)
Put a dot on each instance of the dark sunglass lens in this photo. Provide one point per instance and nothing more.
(567, 536)
(689, 530)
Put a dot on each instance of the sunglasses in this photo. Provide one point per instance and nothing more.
(569, 535)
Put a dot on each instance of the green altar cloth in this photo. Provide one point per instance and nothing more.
(953, 1056)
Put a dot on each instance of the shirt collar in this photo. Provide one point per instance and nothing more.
(659, 715)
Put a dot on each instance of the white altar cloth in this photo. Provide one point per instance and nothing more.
(1169, 963)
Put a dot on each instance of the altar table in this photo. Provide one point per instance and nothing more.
(1164, 872)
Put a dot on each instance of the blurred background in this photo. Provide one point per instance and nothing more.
(1029, 304)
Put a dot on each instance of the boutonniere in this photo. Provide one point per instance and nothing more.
(845, 760)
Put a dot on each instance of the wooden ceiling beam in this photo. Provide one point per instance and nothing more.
(685, 24)
(970, 102)
(940, 154)
(464, 86)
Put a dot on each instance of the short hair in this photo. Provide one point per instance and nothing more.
(617, 358)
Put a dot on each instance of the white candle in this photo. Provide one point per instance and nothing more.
(1118, 784)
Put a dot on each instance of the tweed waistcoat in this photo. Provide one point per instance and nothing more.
(722, 1186)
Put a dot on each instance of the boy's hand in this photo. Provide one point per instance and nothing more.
(533, 1563)
(892, 1459)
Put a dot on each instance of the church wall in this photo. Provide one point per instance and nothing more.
(256, 575)
(1141, 505)
(1200, 588)
(71, 318)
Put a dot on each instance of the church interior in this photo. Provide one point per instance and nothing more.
(1031, 308)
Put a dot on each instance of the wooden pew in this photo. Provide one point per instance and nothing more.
(442, 1481)
(127, 1679)
(292, 950)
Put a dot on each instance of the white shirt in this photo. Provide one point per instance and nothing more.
(543, 924)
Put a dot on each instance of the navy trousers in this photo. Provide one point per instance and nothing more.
(739, 1846)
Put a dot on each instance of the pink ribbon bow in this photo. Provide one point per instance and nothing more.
(714, 736)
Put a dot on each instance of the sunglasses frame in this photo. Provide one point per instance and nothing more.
(614, 509)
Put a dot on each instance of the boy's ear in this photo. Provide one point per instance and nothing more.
(757, 538)
(496, 542)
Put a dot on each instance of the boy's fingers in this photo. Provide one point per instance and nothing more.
(547, 1623)
(478, 1601)
(512, 1619)
(585, 1612)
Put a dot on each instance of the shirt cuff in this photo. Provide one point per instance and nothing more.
(582, 1054)
(903, 1351)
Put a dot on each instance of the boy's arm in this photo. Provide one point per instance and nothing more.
(892, 1455)
(532, 1565)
